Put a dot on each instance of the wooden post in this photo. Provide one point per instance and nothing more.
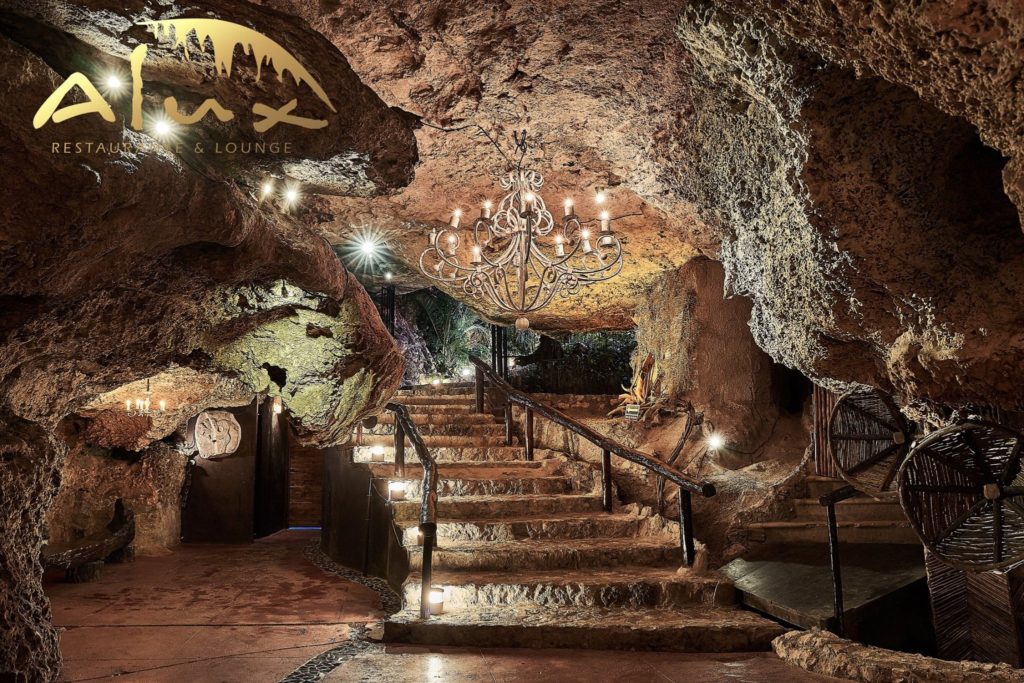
(686, 526)
(399, 448)
(529, 433)
(508, 422)
(426, 571)
(837, 576)
(606, 480)
(479, 390)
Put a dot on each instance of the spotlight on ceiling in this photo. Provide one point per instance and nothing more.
(715, 441)
(368, 247)
(266, 188)
(113, 83)
(290, 197)
(162, 128)
(387, 276)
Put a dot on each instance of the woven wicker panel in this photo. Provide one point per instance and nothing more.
(868, 438)
(960, 488)
(947, 588)
(992, 618)
(823, 402)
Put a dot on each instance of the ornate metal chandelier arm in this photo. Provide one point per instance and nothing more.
(443, 260)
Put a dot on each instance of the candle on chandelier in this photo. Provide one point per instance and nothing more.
(128, 405)
(145, 405)
(585, 235)
(529, 197)
(605, 221)
(163, 405)
(477, 255)
(568, 206)
(138, 404)
(600, 197)
(453, 242)
(486, 211)
(559, 245)
(456, 217)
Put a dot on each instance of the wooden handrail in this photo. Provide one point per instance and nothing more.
(428, 506)
(660, 468)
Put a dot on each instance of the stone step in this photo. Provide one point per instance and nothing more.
(850, 510)
(817, 532)
(426, 419)
(571, 526)
(444, 454)
(444, 440)
(548, 554)
(626, 587)
(453, 487)
(437, 400)
(698, 628)
(442, 428)
(438, 389)
(818, 486)
(457, 409)
(488, 507)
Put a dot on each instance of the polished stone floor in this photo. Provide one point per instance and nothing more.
(256, 613)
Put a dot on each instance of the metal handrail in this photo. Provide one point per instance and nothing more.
(686, 485)
(828, 501)
(428, 505)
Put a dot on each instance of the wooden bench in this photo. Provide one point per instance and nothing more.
(82, 558)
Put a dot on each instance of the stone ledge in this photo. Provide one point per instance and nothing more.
(827, 654)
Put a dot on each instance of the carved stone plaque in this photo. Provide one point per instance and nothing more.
(217, 434)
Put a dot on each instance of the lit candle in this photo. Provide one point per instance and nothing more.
(559, 245)
(599, 197)
(456, 217)
(568, 206)
(453, 242)
(387, 276)
(605, 221)
(146, 404)
(163, 405)
(436, 601)
(128, 405)
(585, 234)
(396, 490)
(138, 404)
(486, 212)
(477, 256)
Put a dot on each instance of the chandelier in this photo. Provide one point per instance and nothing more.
(516, 257)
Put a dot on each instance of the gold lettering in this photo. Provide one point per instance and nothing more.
(222, 114)
(272, 117)
(95, 104)
(138, 55)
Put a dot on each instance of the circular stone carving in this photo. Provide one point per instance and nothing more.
(217, 434)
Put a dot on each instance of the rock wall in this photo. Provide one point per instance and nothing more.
(148, 482)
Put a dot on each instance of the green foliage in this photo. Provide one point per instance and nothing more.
(452, 331)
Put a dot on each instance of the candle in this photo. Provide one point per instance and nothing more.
(599, 197)
(605, 221)
(396, 490)
(453, 242)
(436, 601)
(486, 212)
(128, 405)
(456, 217)
(568, 206)
(163, 405)
(146, 404)
(559, 245)
(586, 242)
(477, 256)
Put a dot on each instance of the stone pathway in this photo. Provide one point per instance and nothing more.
(277, 610)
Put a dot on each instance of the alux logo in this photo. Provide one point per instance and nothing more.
(224, 36)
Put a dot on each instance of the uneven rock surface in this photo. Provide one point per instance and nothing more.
(825, 653)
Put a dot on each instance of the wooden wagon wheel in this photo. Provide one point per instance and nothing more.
(961, 488)
(868, 438)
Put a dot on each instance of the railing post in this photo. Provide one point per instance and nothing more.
(429, 531)
(399, 448)
(479, 390)
(529, 433)
(606, 480)
(837, 577)
(508, 422)
(685, 525)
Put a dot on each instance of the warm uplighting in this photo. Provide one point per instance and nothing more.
(396, 490)
(277, 405)
(715, 441)
(466, 372)
(436, 601)
(435, 381)
(377, 453)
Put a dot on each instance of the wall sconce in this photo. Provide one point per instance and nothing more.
(277, 405)
(396, 490)
(377, 453)
(436, 600)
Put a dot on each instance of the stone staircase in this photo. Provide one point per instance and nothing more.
(528, 558)
(860, 520)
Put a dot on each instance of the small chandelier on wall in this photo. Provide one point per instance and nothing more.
(516, 256)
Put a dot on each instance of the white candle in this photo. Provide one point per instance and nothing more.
(138, 404)
(163, 405)
(559, 245)
(486, 212)
(568, 206)
(586, 242)
(128, 405)
(605, 220)
(456, 217)
(477, 256)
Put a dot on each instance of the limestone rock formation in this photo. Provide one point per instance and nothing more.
(827, 654)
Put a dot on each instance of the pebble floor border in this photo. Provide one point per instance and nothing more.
(324, 663)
